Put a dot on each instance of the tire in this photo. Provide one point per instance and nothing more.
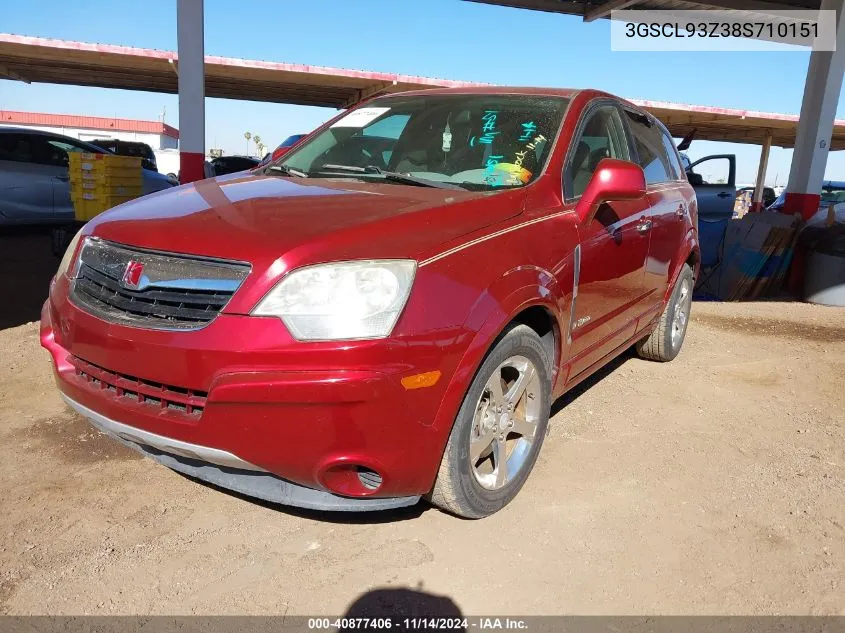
(664, 343)
(478, 489)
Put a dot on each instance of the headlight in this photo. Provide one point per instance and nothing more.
(67, 258)
(344, 300)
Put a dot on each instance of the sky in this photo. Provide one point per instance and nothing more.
(436, 38)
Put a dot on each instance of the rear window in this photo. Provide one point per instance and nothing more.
(136, 150)
(125, 148)
(109, 145)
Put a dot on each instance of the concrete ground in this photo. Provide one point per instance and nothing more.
(709, 485)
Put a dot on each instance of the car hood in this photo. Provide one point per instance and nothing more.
(287, 222)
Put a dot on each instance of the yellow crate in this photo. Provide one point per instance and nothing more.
(89, 178)
(85, 209)
(95, 188)
(108, 164)
(91, 197)
(97, 161)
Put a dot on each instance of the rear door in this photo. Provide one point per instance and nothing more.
(714, 181)
(669, 212)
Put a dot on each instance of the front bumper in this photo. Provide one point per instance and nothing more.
(279, 420)
(229, 471)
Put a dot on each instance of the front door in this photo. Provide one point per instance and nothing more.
(26, 184)
(714, 181)
(613, 245)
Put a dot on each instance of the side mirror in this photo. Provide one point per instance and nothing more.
(613, 179)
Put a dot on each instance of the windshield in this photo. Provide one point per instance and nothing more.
(479, 142)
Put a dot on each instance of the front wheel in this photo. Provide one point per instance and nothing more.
(499, 429)
(664, 343)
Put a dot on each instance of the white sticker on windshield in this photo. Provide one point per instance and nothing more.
(360, 117)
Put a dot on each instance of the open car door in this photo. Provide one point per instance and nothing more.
(714, 181)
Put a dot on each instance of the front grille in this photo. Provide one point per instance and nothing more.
(171, 292)
(155, 394)
(196, 306)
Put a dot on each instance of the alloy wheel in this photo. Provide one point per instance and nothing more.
(504, 427)
(682, 309)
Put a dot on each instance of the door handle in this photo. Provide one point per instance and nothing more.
(62, 178)
(644, 226)
(681, 211)
(725, 194)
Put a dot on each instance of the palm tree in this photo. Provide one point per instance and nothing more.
(247, 136)
(258, 145)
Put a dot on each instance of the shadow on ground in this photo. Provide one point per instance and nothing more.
(371, 517)
(582, 387)
(400, 603)
(27, 264)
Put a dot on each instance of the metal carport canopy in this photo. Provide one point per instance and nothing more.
(596, 9)
(732, 125)
(33, 59)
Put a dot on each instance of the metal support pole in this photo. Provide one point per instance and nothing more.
(190, 34)
(815, 126)
(757, 202)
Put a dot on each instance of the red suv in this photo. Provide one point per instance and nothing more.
(387, 312)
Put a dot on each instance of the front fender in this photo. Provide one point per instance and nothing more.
(515, 291)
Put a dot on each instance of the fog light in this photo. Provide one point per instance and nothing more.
(370, 479)
(351, 479)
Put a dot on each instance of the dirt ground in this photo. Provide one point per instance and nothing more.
(709, 485)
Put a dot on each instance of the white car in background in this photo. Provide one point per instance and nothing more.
(34, 179)
(168, 163)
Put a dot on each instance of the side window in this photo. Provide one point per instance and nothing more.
(602, 136)
(651, 153)
(711, 171)
(17, 148)
(56, 152)
(672, 153)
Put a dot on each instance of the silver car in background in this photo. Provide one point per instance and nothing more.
(34, 180)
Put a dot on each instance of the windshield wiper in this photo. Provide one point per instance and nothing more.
(287, 171)
(393, 176)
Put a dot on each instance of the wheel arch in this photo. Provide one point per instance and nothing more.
(541, 319)
(528, 296)
(688, 253)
